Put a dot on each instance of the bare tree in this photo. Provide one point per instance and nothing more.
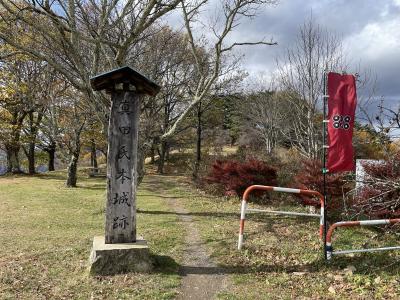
(210, 69)
(79, 39)
(266, 117)
(167, 57)
(301, 74)
(43, 80)
(50, 130)
(71, 106)
(22, 106)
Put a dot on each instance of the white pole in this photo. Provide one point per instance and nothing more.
(242, 218)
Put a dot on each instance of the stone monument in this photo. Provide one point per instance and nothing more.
(120, 250)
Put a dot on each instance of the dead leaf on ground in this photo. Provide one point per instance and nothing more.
(349, 270)
(331, 290)
(338, 278)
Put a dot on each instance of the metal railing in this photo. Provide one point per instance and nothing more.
(329, 247)
(252, 188)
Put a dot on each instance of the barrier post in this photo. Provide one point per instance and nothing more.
(251, 188)
(242, 218)
(329, 246)
(324, 170)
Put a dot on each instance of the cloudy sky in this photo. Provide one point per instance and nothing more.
(370, 30)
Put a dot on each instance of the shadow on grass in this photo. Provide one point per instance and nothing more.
(376, 262)
(159, 186)
(171, 197)
(52, 175)
(268, 219)
(364, 264)
(160, 196)
(48, 175)
(200, 214)
(167, 265)
(96, 186)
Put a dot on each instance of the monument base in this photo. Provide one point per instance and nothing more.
(110, 259)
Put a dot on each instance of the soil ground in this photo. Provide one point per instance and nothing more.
(202, 279)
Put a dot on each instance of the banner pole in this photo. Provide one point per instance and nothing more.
(324, 171)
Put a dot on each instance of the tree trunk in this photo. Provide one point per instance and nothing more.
(310, 150)
(32, 133)
(13, 144)
(51, 151)
(141, 156)
(31, 158)
(233, 140)
(161, 159)
(52, 156)
(152, 155)
(72, 170)
(167, 148)
(73, 164)
(268, 145)
(75, 151)
(198, 143)
(93, 156)
(13, 165)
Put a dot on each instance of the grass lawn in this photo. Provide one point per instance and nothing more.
(282, 256)
(46, 232)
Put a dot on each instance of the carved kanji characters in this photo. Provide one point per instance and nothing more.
(120, 222)
(121, 199)
(121, 175)
(124, 129)
(124, 107)
(123, 153)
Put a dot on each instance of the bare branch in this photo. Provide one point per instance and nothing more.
(248, 43)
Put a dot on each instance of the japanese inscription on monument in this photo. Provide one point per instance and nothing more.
(127, 87)
(121, 169)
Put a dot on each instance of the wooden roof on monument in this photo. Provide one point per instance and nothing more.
(108, 80)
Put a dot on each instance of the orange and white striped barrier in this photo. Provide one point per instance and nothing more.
(329, 248)
(252, 188)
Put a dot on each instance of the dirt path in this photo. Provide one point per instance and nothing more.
(202, 279)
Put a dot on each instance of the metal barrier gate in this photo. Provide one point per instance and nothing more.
(283, 190)
(329, 248)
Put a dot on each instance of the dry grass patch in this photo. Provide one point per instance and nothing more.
(46, 231)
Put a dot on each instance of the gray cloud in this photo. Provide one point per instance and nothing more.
(368, 28)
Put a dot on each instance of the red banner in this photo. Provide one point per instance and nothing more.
(341, 112)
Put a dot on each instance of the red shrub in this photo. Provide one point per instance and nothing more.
(379, 197)
(310, 177)
(236, 176)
